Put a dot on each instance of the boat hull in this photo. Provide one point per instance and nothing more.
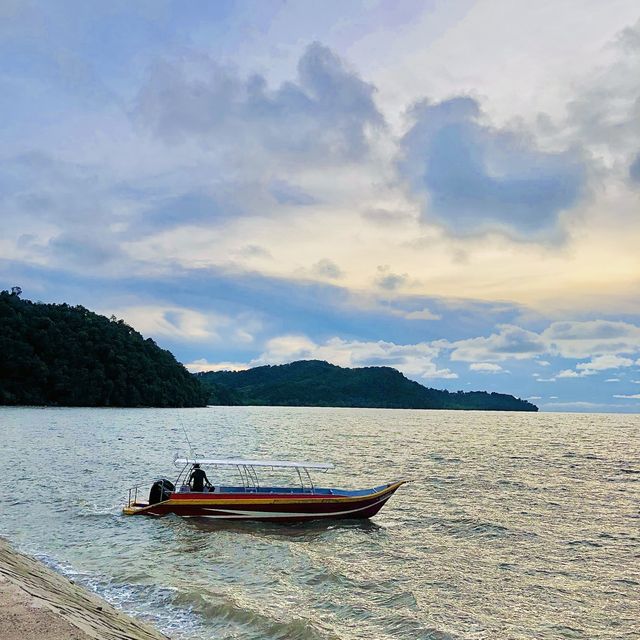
(285, 507)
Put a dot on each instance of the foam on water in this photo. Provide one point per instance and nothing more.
(517, 526)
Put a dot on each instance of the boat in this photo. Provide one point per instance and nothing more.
(252, 501)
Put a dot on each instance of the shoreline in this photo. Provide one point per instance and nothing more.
(36, 603)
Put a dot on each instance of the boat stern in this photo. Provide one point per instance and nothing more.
(132, 509)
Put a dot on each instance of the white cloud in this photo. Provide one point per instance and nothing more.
(601, 363)
(175, 322)
(612, 380)
(486, 367)
(570, 373)
(202, 364)
(510, 342)
(187, 324)
(574, 339)
(634, 396)
(423, 314)
(540, 49)
(545, 379)
(601, 340)
(596, 364)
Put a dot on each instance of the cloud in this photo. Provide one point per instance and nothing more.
(59, 212)
(386, 217)
(586, 339)
(486, 367)
(601, 363)
(570, 373)
(328, 113)
(195, 207)
(83, 249)
(286, 193)
(184, 324)
(202, 364)
(327, 268)
(476, 178)
(414, 360)
(422, 314)
(511, 342)
(170, 321)
(600, 340)
(605, 112)
(254, 251)
(388, 280)
(612, 380)
(634, 169)
(595, 365)
(629, 39)
(632, 396)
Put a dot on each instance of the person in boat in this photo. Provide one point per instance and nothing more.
(198, 479)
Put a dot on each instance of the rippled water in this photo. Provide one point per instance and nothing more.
(517, 525)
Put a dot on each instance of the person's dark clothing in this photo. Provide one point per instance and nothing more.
(197, 479)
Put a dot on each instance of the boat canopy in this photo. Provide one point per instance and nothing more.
(233, 462)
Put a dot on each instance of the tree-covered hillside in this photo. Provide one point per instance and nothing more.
(319, 384)
(55, 354)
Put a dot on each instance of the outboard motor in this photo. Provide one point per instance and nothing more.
(160, 491)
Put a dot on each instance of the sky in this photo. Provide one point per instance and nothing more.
(448, 188)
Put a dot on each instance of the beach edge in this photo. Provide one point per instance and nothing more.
(38, 603)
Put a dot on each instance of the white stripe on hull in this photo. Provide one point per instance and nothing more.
(252, 515)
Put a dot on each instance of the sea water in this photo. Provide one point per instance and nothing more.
(516, 525)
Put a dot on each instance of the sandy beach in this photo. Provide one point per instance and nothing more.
(36, 603)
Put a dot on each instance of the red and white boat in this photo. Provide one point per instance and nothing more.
(252, 501)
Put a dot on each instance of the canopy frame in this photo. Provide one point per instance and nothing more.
(247, 469)
(234, 462)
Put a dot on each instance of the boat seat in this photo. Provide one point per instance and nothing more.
(185, 488)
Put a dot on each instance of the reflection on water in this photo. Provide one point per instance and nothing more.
(517, 526)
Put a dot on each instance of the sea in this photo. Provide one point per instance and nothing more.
(514, 525)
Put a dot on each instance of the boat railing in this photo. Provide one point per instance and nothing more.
(141, 488)
(132, 494)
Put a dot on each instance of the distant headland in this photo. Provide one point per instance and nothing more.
(62, 355)
(315, 383)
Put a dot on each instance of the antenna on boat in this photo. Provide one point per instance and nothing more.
(186, 435)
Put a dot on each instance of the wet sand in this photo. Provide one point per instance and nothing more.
(36, 603)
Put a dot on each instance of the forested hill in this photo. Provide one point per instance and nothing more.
(55, 354)
(316, 383)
